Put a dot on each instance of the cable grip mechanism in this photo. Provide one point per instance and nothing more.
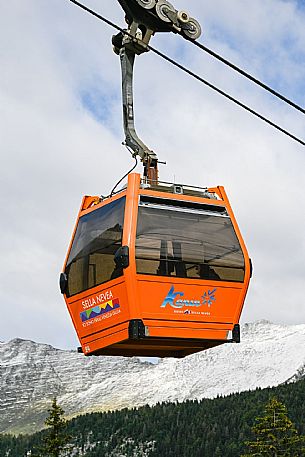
(144, 18)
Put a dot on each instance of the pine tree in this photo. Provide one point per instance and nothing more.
(276, 435)
(56, 439)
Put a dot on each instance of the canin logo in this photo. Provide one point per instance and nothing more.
(172, 299)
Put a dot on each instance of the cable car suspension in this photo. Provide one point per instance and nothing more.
(155, 269)
(144, 18)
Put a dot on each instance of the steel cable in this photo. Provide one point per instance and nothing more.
(247, 75)
(191, 73)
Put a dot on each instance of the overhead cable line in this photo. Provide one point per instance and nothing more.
(191, 73)
(247, 75)
(229, 97)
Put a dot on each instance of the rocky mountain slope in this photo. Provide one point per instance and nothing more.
(31, 374)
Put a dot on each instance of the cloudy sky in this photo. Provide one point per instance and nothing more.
(61, 133)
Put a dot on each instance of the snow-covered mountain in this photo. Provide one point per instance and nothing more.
(32, 374)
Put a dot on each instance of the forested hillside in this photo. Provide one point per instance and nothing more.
(209, 428)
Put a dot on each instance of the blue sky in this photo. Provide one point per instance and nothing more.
(99, 102)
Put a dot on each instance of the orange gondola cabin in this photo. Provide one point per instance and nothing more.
(156, 270)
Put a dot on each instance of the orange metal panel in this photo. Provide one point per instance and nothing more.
(99, 308)
(170, 298)
(186, 324)
(104, 341)
(171, 308)
(186, 333)
(129, 237)
(244, 249)
(116, 328)
(89, 202)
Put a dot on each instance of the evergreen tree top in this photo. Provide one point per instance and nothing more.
(276, 435)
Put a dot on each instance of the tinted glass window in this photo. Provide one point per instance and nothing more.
(186, 242)
(97, 238)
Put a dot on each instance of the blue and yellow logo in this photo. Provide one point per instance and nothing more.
(98, 310)
(175, 301)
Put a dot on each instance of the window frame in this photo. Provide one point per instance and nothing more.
(120, 221)
(182, 206)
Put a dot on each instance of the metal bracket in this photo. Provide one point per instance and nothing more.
(144, 18)
(136, 329)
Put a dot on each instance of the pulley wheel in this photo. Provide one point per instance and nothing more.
(183, 17)
(147, 4)
(193, 30)
(162, 8)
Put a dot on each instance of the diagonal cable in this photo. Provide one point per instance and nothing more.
(247, 75)
(191, 73)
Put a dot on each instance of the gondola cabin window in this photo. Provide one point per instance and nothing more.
(98, 236)
(191, 241)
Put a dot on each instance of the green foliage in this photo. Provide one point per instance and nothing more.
(55, 440)
(276, 435)
(209, 428)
